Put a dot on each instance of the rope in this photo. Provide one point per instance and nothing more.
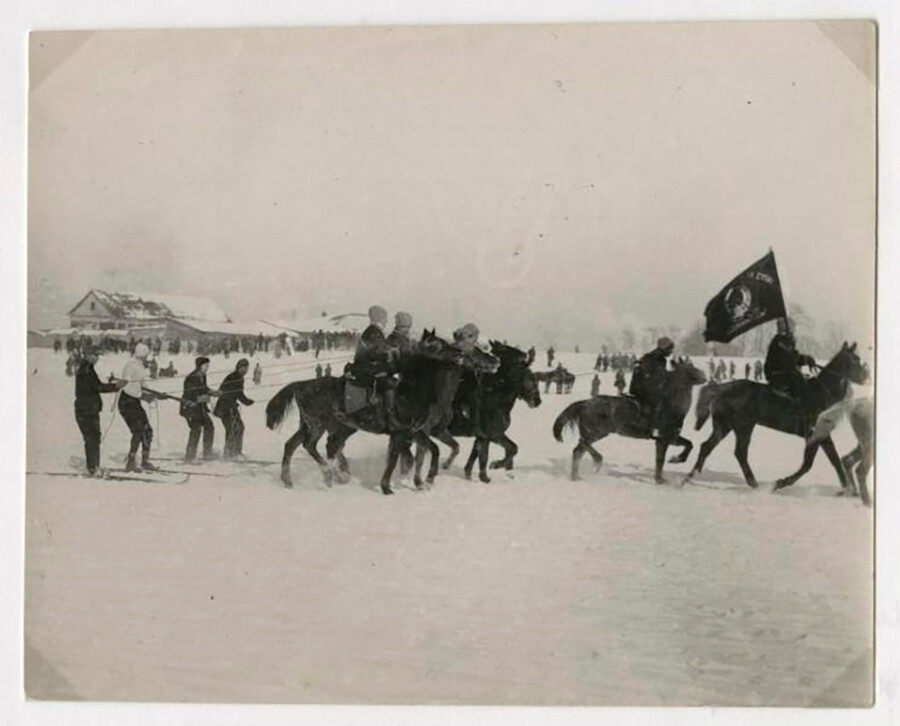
(112, 416)
(292, 364)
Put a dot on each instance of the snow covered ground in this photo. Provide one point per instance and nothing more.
(530, 590)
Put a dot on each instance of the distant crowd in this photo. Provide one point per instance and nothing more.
(239, 345)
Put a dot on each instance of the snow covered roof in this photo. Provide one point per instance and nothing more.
(149, 306)
(341, 323)
(253, 328)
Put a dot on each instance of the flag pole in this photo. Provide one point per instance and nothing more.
(787, 325)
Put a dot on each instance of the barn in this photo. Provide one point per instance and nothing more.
(101, 310)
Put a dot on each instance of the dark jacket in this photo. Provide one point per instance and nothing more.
(88, 388)
(373, 354)
(648, 381)
(782, 359)
(194, 387)
(232, 391)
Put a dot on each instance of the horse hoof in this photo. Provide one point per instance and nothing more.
(484, 478)
(661, 480)
(779, 485)
(752, 484)
(496, 465)
(429, 479)
(445, 465)
(387, 490)
(468, 475)
(288, 484)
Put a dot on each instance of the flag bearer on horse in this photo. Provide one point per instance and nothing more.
(374, 361)
(648, 382)
(783, 363)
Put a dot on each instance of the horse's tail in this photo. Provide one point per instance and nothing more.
(281, 404)
(569, 418)
(704, 404)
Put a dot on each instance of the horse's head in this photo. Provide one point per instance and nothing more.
(685, 373)
(515, 371)
(435, 348)
(848, 365)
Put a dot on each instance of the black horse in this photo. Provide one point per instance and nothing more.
(740, 405)
(600, 416)
(431, 376)
(497, 394)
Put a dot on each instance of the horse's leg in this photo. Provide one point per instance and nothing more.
(741, 449)
(577, 453)
(662, 445)
(685, 452)
(289, 448)
(470, 462)
(862, 472)
(394, 446)
(407, 460)
(809, 456)
(510, 449)
(445, 438)
(334, 451)
(483, 446)
(847, 488)
(719, 432)
(595, 455)
(849, 461)
(425, 444)
(309, 443)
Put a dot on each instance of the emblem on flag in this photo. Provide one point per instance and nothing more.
(752, 298)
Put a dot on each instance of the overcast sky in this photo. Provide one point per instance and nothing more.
(548, 182)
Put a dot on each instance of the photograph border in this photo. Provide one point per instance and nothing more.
(21, 17)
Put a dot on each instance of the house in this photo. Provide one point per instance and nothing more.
(100, 310)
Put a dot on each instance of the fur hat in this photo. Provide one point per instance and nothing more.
(378, 314)
(665, 343)
(403, 320)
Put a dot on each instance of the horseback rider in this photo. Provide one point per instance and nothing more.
(648, 382)
(466, 339)
(783, 362)
(374, 362)
(399, 337)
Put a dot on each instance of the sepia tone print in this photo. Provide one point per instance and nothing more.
(453, 365)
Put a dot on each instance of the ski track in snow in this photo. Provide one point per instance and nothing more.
(530, 590)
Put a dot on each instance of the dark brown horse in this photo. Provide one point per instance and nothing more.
(740, 405)
(431, 376)
(600, 416)
(497, 394)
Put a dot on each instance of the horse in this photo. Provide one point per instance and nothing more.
(431, 376)
(740, 405)
(600, 416)
(861, 414)
(498, 393)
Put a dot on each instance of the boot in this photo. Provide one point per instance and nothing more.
(146, 465)
(390, 410)
(130, 464)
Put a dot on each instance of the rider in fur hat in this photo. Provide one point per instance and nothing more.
(374, 361)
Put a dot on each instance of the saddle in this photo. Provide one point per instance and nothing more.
(359, 393)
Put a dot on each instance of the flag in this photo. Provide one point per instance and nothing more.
(752, 298)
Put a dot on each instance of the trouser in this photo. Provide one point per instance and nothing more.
(790, 382)
(198, 423)
(136, 418)
(234, 431)
(89, 423)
